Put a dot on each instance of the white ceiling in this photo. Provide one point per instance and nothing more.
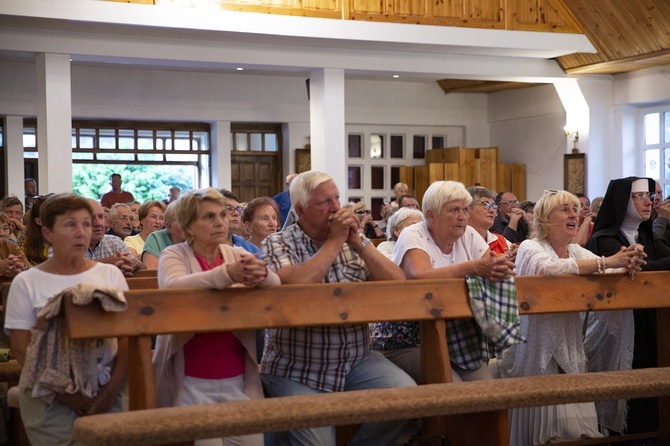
(147, 36)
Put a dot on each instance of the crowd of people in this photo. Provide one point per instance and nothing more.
(208, 238)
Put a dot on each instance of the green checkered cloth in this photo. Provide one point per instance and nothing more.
(494, 305)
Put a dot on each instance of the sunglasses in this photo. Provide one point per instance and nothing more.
(363, 212)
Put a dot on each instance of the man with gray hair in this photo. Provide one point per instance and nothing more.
(325, 246)
(107, 248)
(121, 220)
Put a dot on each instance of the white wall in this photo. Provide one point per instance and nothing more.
(527, 127)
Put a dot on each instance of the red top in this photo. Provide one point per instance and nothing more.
(500, 245)
(111, 198)
(217, 355)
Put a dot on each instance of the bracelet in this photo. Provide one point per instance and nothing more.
(603, 262)
(600, 268)
(375, 226)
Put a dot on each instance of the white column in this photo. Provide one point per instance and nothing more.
(327, 132)
(14, 156)
(54, 122)
(221, 150)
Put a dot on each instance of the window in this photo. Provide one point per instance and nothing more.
(656, 147)
(255, 138)
(355, 146)
(151, 157)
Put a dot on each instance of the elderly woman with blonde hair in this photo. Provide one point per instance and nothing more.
(554, 341)
(203, 368)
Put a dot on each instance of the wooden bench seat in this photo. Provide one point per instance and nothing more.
(180, 424)
(466, 413)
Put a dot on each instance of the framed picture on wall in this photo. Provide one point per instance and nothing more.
(574, 173)
(303, 160)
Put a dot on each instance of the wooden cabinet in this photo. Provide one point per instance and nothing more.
(470, 166)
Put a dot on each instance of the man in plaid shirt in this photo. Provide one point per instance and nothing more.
(325, 246)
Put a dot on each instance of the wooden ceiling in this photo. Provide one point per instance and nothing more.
(628, 34)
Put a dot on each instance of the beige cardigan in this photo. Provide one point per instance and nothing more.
(178, 268)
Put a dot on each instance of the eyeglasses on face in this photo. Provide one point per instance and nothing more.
(363, 211)
(487, 205)
(238, 209)
(126, 218)
(509, 203)
(641, 196)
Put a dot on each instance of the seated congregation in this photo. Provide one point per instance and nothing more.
(208, 239)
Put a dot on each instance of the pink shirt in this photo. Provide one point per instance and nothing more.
(217, 355)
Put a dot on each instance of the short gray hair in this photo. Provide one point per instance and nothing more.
(304, 184)
(114, 210)
(442, 192)
(479, 192)
(398, 219)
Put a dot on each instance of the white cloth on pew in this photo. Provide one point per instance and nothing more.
(178, 268)
(55, 364)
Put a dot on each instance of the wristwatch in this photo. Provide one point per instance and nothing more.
(364, 241)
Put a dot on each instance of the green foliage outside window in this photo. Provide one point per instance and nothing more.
(145, 182)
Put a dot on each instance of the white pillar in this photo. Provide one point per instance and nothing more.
(14, 156)
(54, 122)
(327, 132)
(221, 160)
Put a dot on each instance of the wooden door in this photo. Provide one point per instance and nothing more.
(255, 174)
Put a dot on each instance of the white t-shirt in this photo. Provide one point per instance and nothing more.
(32, 288)
(471, 246)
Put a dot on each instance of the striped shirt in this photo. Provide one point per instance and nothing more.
(319, 357)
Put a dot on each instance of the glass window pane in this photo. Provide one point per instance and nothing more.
(185, 157)
(397, 146)
(395, 175)
(150, 157)
(29, 137)
(145, 139)
(271, 142)
(438, 142)
(107, 139)
(74, 138)
(31, 155)
(651, 163)
(182, 144)
(126, 139)
(652, 129)
(241, 142)
(86, 138)
(354, 177)
(355, 146)
(377, 177)
(2, 138)
(377, 204)
(116, 156)
(163, 140)
(82, 156)
(666, 156)
(419, 147)
(256, 142)
(667, 126)
(200, 141)
(376, 146)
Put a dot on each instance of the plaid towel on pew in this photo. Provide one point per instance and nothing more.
(494, 305)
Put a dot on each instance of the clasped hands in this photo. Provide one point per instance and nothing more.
(249, 270)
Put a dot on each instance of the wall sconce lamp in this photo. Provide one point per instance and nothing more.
(574, 136)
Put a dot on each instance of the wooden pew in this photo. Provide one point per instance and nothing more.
(477, 411)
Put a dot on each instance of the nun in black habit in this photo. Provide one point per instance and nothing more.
(624, 220)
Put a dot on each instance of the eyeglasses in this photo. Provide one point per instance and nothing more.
(509, 203)
(238, 209)
(641, 196)
(551, 191)
(363, 212)
(486, 205)
(126, 218)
